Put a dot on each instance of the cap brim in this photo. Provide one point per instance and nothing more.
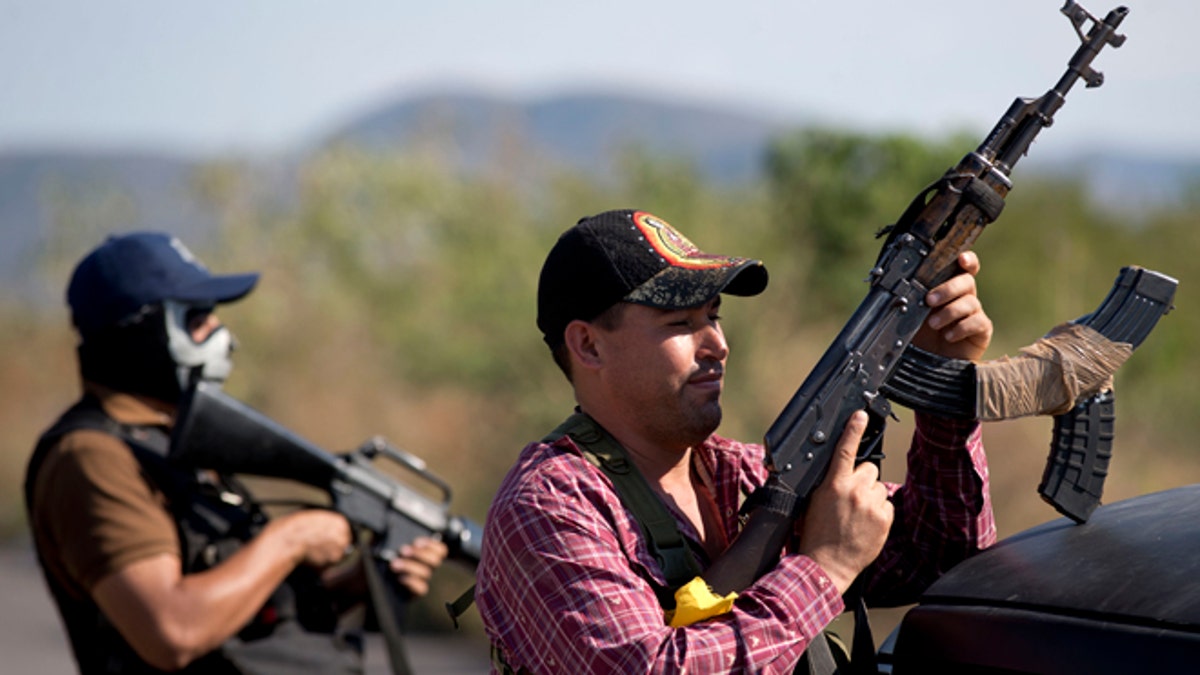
(683, 287)
(218, 289)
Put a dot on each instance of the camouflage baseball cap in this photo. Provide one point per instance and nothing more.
(633, 256)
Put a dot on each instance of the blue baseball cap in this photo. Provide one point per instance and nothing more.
(130, 271)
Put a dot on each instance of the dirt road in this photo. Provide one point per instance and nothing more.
(32, 641)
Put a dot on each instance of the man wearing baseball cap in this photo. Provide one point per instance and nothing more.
(597, 541)
(154, 567)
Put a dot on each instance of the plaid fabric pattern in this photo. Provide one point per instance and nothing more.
(562, 585)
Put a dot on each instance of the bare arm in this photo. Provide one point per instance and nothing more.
(171, 619)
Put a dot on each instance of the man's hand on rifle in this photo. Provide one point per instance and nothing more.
(315, 537)
(416, 562)
(957, 326)
(413, 566)
(848, 519)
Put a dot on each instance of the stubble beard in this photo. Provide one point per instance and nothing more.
(678, 417)
(709, 421)
(697, 421)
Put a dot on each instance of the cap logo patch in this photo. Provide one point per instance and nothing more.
(676, 248)
(185, 254)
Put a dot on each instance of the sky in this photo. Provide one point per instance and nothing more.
(255, 77)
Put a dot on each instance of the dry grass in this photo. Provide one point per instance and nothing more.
(331, 389)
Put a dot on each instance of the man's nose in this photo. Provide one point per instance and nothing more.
(712, 341)
(205, 327)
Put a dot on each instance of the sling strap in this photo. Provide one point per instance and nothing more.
(666, 543)
(385, 614)
(674, 555)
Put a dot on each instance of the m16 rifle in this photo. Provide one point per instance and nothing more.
(216, 431)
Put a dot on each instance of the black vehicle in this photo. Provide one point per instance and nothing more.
(1119, 594)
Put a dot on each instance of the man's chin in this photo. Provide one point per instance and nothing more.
(707, 420)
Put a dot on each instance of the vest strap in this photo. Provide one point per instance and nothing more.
(667, 544)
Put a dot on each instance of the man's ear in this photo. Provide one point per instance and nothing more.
(580, 338)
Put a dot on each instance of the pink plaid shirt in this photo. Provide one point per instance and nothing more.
(562, 582)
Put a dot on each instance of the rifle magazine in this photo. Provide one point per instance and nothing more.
(930, 383)
(1077, 467)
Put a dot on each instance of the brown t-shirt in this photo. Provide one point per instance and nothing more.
(94, 511)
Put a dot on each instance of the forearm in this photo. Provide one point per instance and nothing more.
(943, 511)
(948, 476)
(772, 623)
(544, 607)
(217, 603)
(170, 618)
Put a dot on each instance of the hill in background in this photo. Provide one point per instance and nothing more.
(579, 131)
(468, 131)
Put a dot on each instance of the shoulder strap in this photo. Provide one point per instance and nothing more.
(383, 597)
(667, 544)
(85, 414)
(669, 547)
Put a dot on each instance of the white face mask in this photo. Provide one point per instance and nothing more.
(212, 356)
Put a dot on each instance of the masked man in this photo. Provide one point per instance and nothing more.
(154, 567)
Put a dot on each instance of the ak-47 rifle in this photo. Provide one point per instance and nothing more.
(920, 252)
(216, 431)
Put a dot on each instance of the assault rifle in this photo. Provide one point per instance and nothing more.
(920, 252)
(216, 431)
